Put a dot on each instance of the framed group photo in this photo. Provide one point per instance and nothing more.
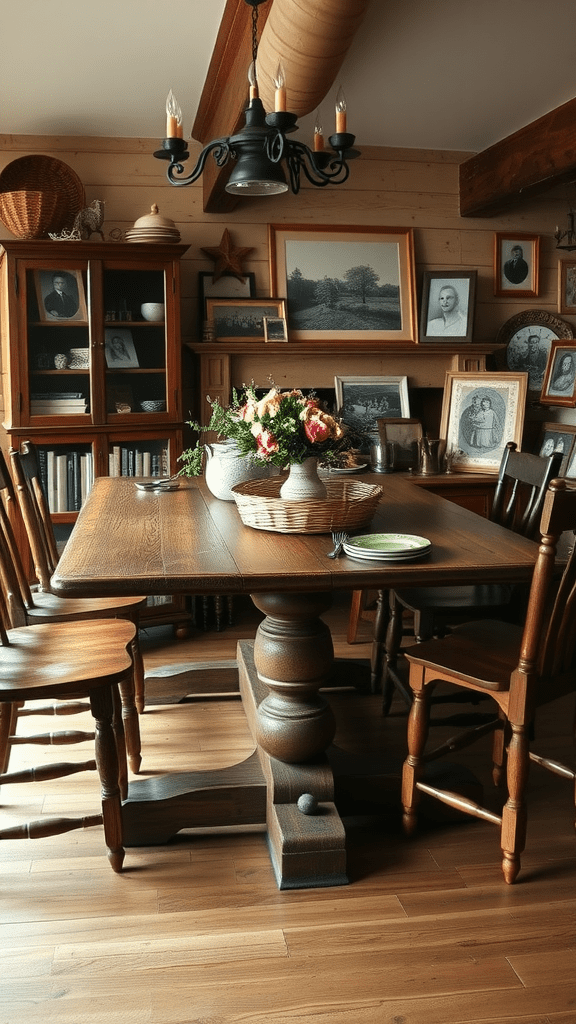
(243, 319)
(362, 401)
(559, 385)
(60, 295)
(344, 283)
(516, 265)
(447, 312)
(481, 412)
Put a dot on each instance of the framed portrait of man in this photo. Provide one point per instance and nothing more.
(516, 265)
(60, 296)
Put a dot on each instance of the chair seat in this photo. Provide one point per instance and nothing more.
(53, 660)
(473, 596)
(483, 654)
(74, 608)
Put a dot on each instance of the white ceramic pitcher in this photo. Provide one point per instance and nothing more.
(225, 467)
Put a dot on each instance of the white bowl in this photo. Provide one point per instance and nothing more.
(152, 310)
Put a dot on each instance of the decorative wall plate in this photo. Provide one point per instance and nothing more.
(528, 337)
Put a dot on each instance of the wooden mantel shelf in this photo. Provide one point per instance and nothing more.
(224, 365)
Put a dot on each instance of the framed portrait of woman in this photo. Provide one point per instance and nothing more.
(447, 312)
(559, 387)
(481, 412)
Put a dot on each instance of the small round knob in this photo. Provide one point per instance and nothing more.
(307, 804)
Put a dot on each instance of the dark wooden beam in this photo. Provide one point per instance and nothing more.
(532, 160)
(225, 94)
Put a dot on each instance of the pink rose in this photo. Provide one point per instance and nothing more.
(316, 430)
(266, 443)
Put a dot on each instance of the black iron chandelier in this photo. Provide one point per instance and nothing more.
(261, 148)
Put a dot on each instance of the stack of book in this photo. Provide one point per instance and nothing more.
(67, 477)
(61, 403)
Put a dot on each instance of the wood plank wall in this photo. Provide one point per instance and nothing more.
(388, 187)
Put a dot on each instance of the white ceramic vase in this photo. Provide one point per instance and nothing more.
(303, 482)
(225, 468)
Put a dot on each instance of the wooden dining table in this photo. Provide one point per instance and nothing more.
(185, 541)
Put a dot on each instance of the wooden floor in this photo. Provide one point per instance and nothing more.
(197, 932)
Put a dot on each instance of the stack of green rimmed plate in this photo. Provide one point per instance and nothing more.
(386, 547)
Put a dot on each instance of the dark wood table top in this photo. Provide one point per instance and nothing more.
(129, 541)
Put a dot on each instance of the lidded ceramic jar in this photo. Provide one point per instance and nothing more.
(153, 227)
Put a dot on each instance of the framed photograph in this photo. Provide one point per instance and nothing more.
(345, 283)
(119, 349)
(567, 286)
(362, 401)
(242, 319)
(275, 328)
(481, 412)
(528, 337)
(560, 377)
(60, 295)
(559, 437)
(405, 433)
(516, 265)
(448, 305)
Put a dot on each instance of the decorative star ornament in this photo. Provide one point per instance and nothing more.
(228, 257)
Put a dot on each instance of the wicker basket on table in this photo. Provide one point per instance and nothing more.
(349, 505)
(39, 194)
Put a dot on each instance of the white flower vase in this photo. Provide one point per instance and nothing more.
(303, 482)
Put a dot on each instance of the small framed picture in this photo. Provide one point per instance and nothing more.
(60, 295)
(567, 286)
(559, 385)
(119, 349)
(516, 265)
(559, 437)
(448, 305)
(362, 401)
(243, 319)
(481, 412)
(405, 433)
(275, 328)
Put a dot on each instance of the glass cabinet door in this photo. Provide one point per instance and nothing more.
(135, 344)
(58, 344)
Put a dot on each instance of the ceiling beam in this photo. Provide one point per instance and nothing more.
(309, 37)
(532, 160)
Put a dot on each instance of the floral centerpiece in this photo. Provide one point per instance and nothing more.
(284, 429)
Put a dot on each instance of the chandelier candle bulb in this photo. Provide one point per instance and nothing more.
(340, 112)
(253, 81)
(318, 136)
(173, 116)
(280, 94)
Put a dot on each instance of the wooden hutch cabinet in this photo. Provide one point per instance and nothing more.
(91, 374)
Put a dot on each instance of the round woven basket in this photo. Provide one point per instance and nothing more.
(39, 194)
(349, 505)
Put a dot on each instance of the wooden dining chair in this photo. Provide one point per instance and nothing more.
(519, 668)
(522, 482)
(23, 608)
(64, 660)
(35, 514)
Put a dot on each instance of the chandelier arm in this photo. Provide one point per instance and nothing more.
(334, 171)
(221, 151)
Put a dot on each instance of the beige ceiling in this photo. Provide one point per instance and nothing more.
(440, 74)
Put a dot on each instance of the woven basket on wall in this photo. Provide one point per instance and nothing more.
(348, 505)
(39, 194)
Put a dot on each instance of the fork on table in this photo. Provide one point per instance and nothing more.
(338, 540)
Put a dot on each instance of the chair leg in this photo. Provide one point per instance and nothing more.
(413, 769)
(139, 684)
(8, 716)
(354, 617)
(499, 743)
(379, 641)
(102, 707)
(131, 724)
(513, 835)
